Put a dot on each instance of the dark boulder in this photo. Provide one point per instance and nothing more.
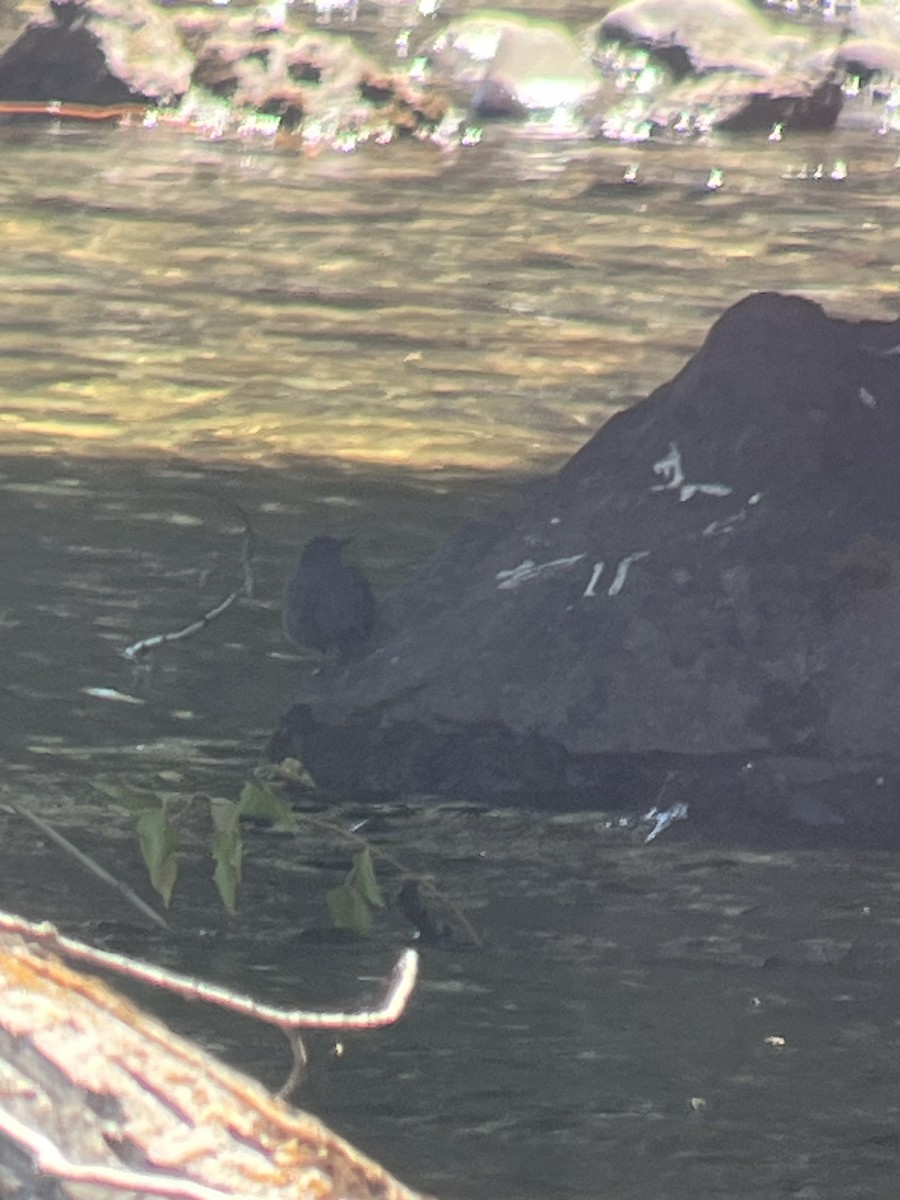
(243, 72)
(712, 580)
(97, 52)
(317, 83)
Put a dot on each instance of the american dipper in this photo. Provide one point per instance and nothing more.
(328, 605)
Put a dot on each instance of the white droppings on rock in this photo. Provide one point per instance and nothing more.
(529, 569)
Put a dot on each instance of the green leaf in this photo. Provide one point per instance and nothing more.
(351, 904)
(159, 846)
(349, 910)
(362, 878)
(260, 803)
(225, 814)
(227, 850)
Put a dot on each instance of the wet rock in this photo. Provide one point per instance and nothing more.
(224, 68)
(712, 580)
(695, 36)
(303, 76)
(254, 65)
(506, 65)
(99, 52)
(727, 66)
(737, 103)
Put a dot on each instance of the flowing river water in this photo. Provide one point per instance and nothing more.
(383, 344)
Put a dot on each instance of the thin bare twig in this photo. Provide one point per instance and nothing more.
(399, 990)
(138, 650)
(300, 1060)
(88, 863)
(248, 550)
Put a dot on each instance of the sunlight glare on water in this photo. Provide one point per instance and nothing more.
(487, 308)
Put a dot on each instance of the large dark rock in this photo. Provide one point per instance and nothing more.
(226, 69)
(713, 579)
(99, 52)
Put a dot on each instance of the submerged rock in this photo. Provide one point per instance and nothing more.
(713, 579)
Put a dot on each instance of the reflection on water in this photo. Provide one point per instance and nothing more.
(488, 307)
(376, 345)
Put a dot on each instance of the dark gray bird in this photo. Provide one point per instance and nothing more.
(328, 605)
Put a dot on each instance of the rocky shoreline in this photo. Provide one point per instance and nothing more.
(647, 69)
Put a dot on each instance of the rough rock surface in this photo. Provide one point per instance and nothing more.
(102, 52)
(508, 65)
(224, 68)
(728, 67)
(712, 581)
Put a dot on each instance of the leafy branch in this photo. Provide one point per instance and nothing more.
(352, 904)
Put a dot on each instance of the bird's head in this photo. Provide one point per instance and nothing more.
(324, 549)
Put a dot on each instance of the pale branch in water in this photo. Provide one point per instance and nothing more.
(399, 990)
(139, 649)
(299, 1064)
(96, 1093)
